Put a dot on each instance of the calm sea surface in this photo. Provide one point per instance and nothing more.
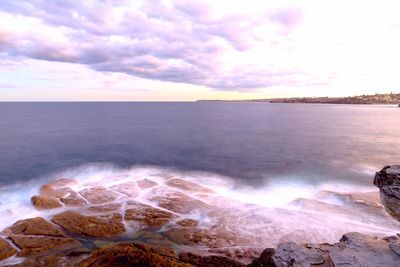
(251, 142)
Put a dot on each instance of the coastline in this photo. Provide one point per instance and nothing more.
(85, 225)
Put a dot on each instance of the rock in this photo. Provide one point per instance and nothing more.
(188, 223)
(130, 189)
(132, 255)
(67, 258)
(61, 189)
(95, 226)
(355, 249)
(36, 235)
(209, 261)
(34, 226)
(6, 250)
(98, 195)
(266, 259)
(388, 181)
(146, 183)
(176, 201)
(34, 245)
(147, 216)
(43, 202)
(292, 254)
(203, 237)
(187, 185)
(71, 198)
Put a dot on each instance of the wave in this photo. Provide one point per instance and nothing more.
(287, 208)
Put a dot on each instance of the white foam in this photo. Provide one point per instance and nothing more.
(289, 208)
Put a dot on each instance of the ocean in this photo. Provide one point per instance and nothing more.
(309, 167)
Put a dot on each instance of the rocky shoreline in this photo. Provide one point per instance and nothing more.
(86, 226)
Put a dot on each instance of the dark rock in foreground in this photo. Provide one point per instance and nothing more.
(388, 181)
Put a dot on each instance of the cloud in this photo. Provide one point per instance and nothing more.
(227, 45)
(169, 41)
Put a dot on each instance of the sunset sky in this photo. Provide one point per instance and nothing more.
(186, 50)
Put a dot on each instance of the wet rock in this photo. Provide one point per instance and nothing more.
(388, 181)
(147, 216)
(34, 226)
(134, 255)
(36, 235)
(6, 250)
(146, 183)
(209, 261)
(69, 258)
(187, 185)
(43, 202)
(57, 188)
(204, 237)
(95, 226)
(176, 201)
(355, 249)
(188, 223)
(112, 207)
(292, 254)
(266, 259)
(71, 198)
(34, 245)
(129, 189)
(61, 190)
(98, 195)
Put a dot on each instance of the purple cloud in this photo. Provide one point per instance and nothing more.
(181, 42)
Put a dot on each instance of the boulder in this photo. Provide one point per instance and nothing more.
(209, 261)
(292, 254)
(187, 185)
(107, 225)
(176, 201)
(36, 236)
(266, 259)
(98, 195)
(388, 181)
(132, 255)
(146, 183)
(6, 250)
(44, 202)
(147, 216)
(34, 226)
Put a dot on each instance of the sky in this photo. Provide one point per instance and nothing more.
(183, 50)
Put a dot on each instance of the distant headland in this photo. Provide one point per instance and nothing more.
(384, 99)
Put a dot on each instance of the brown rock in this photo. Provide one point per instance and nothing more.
(176, 201)
(188, 223)
(209, 261)
(34, 245)
(57, 188)
(132, 255)
(147, 216)
(36, 235)
(34, 226)
(71, 198)
(6, 250)
(130, 189)
(95, 226)
(187, 185)
(112, 207)
(146, 183)
(43, 202)
(98, 195)
(204, 237)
